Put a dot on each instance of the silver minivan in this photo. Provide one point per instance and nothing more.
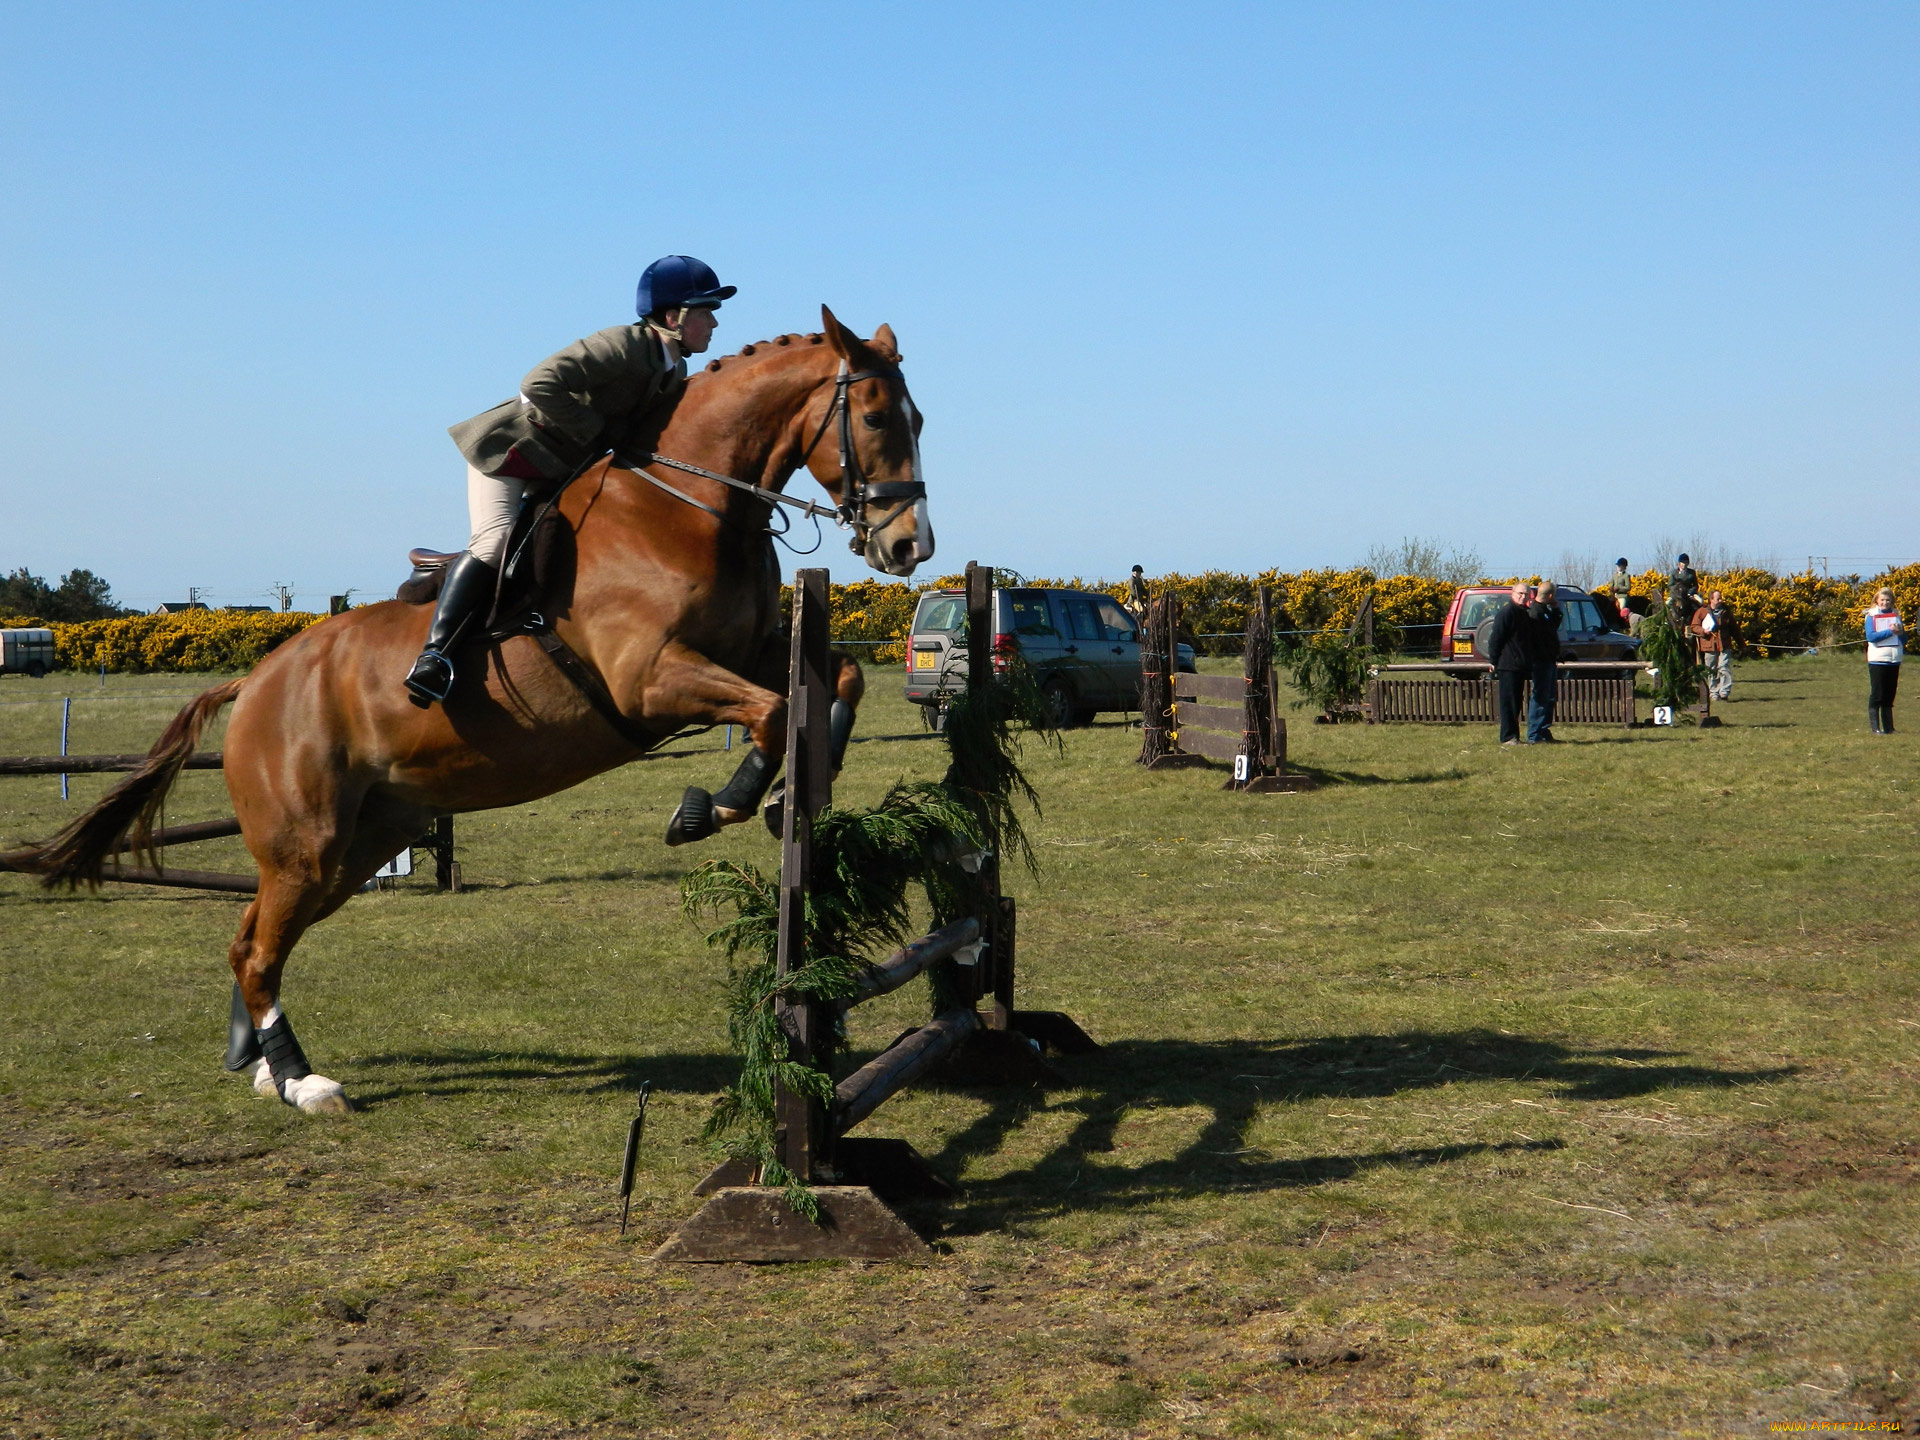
(1083, 647)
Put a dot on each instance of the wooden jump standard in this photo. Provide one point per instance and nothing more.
(446, 872)
(1192, 719)
(854, 1178)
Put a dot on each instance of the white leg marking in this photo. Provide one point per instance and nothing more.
(263, 1085)
(317, 1095)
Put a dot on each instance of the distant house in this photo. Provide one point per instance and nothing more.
(178, 607)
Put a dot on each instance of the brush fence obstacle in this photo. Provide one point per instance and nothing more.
(1589, 692)
(438, 840)
(855, 1177)
(1193, 719)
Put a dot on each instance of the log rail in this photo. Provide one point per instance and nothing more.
(439, 839)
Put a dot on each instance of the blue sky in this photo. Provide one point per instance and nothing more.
(1194, 286)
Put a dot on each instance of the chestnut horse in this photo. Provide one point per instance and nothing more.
(673, 602)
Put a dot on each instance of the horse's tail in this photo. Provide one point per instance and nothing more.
(78, 854)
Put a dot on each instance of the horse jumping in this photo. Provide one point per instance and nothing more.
(671, 600)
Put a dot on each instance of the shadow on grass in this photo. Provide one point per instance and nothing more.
(1230, 1079)
(1322, 776)
(575, 877)
(1233, 1079)
(443, 1073)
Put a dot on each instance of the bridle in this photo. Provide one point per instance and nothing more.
(857, 492)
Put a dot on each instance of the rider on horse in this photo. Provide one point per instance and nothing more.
(572, 407)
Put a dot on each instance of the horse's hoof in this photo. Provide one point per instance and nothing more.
(692, 819)
(263, 1085)
(317, 1095)
(775, 812)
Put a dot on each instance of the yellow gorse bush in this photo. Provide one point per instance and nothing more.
(199, 640)
(1776, 613)
(1784, 613)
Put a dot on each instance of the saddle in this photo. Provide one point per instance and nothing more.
(539, 566)
(538, 569)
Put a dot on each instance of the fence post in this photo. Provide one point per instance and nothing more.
(1000, 1017)
(981, 978)
(66, 722)
(802, 1122)
(1158, 652)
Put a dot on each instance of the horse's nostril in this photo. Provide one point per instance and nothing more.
(903, 549)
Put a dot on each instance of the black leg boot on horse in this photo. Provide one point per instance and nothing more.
(698, 814)
(469, 587)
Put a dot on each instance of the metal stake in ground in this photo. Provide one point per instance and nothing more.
(634, 1128)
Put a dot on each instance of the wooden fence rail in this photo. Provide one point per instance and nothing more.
(1458, 693)
(438, 840)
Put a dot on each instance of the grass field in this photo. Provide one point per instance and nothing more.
(1560, 1091)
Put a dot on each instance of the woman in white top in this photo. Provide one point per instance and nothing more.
(1886, 645)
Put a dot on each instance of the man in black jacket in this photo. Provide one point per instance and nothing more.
(1543, 648)
(1509, 647)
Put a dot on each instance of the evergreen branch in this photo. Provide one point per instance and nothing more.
(867, 866)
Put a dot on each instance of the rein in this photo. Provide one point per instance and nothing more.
(856, 491)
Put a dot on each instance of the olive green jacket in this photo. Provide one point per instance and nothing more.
(575, 404)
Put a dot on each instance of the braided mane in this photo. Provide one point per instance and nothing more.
(778, 342)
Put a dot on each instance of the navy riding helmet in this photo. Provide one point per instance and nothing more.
(676, 280)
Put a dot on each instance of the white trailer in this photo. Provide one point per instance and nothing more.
(26, 652)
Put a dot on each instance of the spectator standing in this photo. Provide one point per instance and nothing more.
(1713, 636)
(1543, 656)
(1508, 636)
(1886, 647)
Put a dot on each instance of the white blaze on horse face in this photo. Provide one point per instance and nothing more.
(922, 523)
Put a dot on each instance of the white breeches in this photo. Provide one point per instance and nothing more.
(492, 503)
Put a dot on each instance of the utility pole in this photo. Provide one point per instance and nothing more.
(193, 596)
(283, 592)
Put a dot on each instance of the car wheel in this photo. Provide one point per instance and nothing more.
(1061, 709)
(36, 671)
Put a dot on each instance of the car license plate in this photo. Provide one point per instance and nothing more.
(1463, 647)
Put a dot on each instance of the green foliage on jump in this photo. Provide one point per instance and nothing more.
(1330, 671)
(1677, 673)
(936, 839)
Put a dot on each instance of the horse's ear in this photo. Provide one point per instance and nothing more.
(884, 344)
(845, 343)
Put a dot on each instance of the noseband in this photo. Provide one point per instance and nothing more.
(857, 492)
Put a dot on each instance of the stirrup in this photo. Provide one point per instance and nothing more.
(431, 679)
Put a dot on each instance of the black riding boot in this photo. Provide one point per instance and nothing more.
(468, 588)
